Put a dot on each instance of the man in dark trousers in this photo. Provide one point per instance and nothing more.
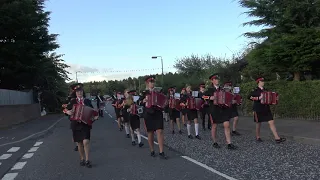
(100, 103)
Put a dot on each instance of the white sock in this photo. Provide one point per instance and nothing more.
(126, 127)
(139, 136)
(132, 137)
(189, 129)
(196, 128)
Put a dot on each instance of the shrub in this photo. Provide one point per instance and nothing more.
(297, 99)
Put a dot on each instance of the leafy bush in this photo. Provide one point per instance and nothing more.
(297, 99)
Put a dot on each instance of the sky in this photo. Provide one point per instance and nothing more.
(115, 39)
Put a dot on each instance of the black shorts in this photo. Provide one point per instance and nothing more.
(174, 114)
(263, 116)
(219, 115)
(118, 113)
(81, 132)
(134, 122)
(184, 111)
(154, 121)
(125, 115)
(234, 111)
(192, 114)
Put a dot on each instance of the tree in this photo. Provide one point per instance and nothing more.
(27, 57)
(291, 34)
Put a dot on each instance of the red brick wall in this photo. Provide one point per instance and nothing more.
(15, 114)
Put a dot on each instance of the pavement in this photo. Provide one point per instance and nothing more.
(49, 155)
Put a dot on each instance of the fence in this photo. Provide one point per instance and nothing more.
(10, 97)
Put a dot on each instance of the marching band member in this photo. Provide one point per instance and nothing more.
(183, 110)
(262, 112)
(204, 108)
(174, 114)
(99, 100)
(154, 121)
(218, 114)
(125, 114)
(192, 114)
(81, 131)
(116, 104)
(233, 110)
(134, 120)
(64, 106)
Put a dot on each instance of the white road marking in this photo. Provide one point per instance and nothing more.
(196, 162)
(32, 135)
(0, 163)
(13, 149)
(27, 155)
(208, 168)
(37, 143)
(5, 156)
(109, 115)
(10, 176)
(1, 137)
(18, 165)
(33, 149)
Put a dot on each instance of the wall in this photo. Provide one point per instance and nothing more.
(15, 114)
(10, 97)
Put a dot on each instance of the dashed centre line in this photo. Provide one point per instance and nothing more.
(13, 149)
(5, 156)
(33, 149)
(18, 165)
(10, 176)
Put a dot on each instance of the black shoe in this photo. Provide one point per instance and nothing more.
(133, 143)
(259, 140)
(216, 145)
(120, 129)
(82, 163)
(209, 128)
(162, 155)
(88, 164)
(128, 136)
(190, 136)
(280, 140)
(235, 133)
(141, 144)
(172, 132)
(204, 129)
(180, 132)
(198, 137)
(76, 148)
(153, 154)
(231, 147)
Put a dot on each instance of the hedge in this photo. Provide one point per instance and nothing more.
(297, 99)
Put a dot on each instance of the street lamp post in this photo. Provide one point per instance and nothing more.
(156, 57)
(77, 76)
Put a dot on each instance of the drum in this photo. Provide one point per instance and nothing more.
(82, 113)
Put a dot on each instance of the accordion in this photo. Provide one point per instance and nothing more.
(238, 99)
(82, 113)
(270, 98)
(223, 98)
(136, 110)
(191, 103)
(155, 99)
(199, 102)
(177, 105)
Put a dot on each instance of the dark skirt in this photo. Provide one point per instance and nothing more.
(125, 115)
(81, 132)
(118, 114)
(192, 114)
(234, 111)
(134, 122)
(219, 115)
(184, 111)
(263, 116)
(154, 120)
(174, 114)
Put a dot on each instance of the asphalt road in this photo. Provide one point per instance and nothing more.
(114, 158)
